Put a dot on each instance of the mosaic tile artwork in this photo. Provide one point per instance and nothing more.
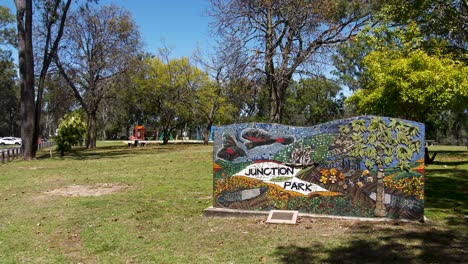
(366, 166)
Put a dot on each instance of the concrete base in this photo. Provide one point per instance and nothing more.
(224, 212)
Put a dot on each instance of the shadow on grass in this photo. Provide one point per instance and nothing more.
(390, 246)
(81, 153)
(460, 155)
(450, 163)
(447, 191)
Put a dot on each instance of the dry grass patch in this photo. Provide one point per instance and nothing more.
(83, 190)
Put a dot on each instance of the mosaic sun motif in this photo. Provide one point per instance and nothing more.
(332, 168)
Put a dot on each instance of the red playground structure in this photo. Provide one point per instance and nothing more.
(139, 133)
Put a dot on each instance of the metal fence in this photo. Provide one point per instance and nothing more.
(9, 154)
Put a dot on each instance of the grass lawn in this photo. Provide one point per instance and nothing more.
(154, 215)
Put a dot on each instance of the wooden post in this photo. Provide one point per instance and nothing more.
(3, 156)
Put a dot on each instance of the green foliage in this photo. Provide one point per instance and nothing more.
(7, 31)
(410, 62)
(166, 89)
(313, 101)
(212, 103)
(71, 130)
(411, 84)
(431, 24)
(439, 21)
(10, 94)
(9, 91)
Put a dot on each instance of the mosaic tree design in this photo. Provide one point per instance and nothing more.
(365, 166)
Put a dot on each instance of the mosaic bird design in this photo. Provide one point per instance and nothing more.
(230, 150)
(258, 137)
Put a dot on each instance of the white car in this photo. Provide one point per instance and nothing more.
(10, 141)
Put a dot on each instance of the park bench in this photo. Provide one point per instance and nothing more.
(137, 143)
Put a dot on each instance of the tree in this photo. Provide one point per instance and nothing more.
(212, 99)
(211, 104)
(431, 32)
(7, 32)
(442, 27)
(167, 88)
(26, 72)
(439, 22)
(411, 85)
(313, 101)
(447, 127)
(99, 44)
(57, 102)
(54, 15)
(280, 38)
(9, 101)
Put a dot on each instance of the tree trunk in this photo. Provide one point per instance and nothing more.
(26, 70)
(92, 130)
(274, 111)
(277, 100)
(270, 67)
(206, 133)
(166, 136)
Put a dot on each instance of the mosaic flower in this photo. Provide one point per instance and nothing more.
(365, 172)
(341, 176)
(324, 179)
(360, 184)
(333, 178)
(333, 171)
(409, 185)
(324, 172)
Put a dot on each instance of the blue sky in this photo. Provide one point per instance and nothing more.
(181, 24)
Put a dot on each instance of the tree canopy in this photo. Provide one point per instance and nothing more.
(279, 39)
(398, 77)
(412, 85)
(99, 46)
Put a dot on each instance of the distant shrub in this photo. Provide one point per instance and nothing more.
(71, 131)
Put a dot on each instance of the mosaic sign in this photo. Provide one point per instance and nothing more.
(366, 166)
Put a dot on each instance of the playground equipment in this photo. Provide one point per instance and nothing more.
(138, 133)
(138, 137)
